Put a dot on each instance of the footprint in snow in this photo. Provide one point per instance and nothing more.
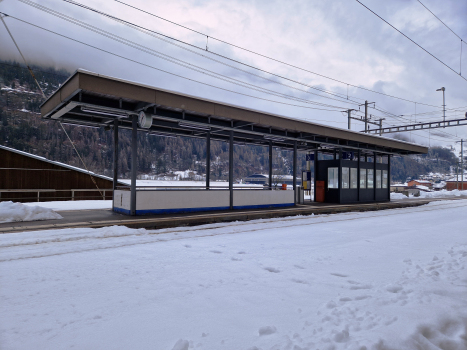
(266, 330)
(216, 251)
(272, 269)
(299, 281)
(187, 246)
(235, 259)
(339, 274)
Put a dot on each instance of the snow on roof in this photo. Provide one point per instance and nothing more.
(55, 163)
(457, 178)
(422, 181)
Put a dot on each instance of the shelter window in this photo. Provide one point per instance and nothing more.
(385, 179)
(353, 178)
(362, 178)
(378, 178)
(333, 177)
(370, 178)
(345, 178)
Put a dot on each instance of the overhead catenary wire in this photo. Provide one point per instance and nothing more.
(173, 59)
(428, 52)
(259, 54)
(24, 59)
(144, 29)
(43, 94)
(453, 32)
(164, 71)
(156, 68)
(202, 53)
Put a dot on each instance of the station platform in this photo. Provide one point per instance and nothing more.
(106, 217)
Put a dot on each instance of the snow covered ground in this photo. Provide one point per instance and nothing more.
(10, 212)
(434, 194)
(393, 279)
(73, 205)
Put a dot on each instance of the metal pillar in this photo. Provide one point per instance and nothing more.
(366, 116)
(294, 171)
(462, 164)
(208, 159)
(374, 176)
(270, 165)
(231, 149)
(315, 174)
(389, 177)
(115, 177)
(358, 176)
(134, 164)
(348, 115)
(339, 176)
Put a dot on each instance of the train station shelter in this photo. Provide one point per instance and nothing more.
(349, 167)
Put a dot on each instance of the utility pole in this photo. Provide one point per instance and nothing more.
(381, 126)
(366, 116)
(349, 116)
(444, 104)
(462, 164)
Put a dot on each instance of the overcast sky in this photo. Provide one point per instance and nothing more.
(338, 39)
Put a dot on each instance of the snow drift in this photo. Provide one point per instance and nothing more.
(10, 212)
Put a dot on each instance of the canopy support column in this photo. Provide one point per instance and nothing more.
(374, 176)
(208, 159)
(134, 142)
(389, 177)
(115, 177)
(339, 177)
(294, 171)
(358, 175)
(231, 149)
(270, 165)
(315, 174)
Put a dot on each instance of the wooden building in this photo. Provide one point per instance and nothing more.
(26, 177)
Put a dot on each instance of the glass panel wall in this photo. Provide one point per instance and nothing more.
(385, 179)
(378, 178)
(370, 178)
(353, 177)
(362, 178)
(345, 177)
(333, 177)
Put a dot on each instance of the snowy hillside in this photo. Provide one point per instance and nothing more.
(392, 279)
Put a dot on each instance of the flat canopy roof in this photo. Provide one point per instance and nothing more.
(92, 99)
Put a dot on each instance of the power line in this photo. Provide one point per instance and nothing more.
(440, 20)
(164, 71)
(258, 54)
(172, 59)
(428, 52)
(200, 52)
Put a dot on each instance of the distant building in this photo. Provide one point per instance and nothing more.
(259, 179)
(398, 188)
(26, 177)
(420, 183)
(277, 180)
(456, 183)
